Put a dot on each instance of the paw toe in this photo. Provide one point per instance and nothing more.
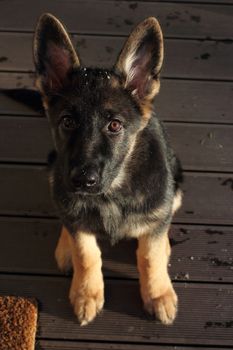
(165, 307)
(86, 308)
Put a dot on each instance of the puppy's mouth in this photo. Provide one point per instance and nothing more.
(87, 189)
(90, 192)
(93, 191)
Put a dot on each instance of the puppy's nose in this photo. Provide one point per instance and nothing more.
(84, 178)
(92, 179)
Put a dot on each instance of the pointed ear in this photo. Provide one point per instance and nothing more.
(54, 55)
(141, 59)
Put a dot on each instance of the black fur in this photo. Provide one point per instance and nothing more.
(152, 171)
(88, 100)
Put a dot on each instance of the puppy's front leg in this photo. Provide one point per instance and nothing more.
(63, 251)
(157, 292)
(87, 288)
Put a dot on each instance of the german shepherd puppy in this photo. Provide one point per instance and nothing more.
(112, 172)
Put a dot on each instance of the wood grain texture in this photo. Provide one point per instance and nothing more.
(118, 18)
(183, 58)
(197, 101)
(207, 197)
(199, 147)
(199, 253)
(202, 147)
(205, 319)
(70, 345)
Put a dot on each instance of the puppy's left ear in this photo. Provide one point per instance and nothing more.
(141, 59)
(54, 55)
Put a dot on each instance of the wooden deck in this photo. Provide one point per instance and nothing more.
(197, 106)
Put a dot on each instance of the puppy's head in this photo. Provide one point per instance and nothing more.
(96, 114)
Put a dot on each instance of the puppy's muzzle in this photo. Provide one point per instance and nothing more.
(86, 179)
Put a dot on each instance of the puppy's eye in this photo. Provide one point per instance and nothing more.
(115, 126)
(68, 123)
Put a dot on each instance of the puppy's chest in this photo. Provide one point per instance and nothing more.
(122, 223)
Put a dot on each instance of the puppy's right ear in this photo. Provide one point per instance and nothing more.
(54, 55)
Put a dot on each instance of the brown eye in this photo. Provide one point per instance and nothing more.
(114, 126)
(68, 123)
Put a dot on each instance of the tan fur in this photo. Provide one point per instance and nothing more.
(39, 86)
(63, 251)
(87, 288)
(154, 89)
(119, 179)
(135, 226)
(114, 82)
(157, 292)
(146, 113)
(177, 202)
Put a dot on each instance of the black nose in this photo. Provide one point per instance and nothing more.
(92, 179)
(84, 178)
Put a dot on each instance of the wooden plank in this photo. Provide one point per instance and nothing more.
(207, 200)
(188, 101)
(200, 147)
(199, 253)
(25, 239)
(21, 136)
(217, 2)
(183, 58)
(209, 323)
(205, 195)
(26, 191)
(70, 345)
(200, 2)
(12, 80)
(117, 18)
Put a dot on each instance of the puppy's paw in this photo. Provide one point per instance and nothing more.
(86, 301)
(86, 307)
(164, 307)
